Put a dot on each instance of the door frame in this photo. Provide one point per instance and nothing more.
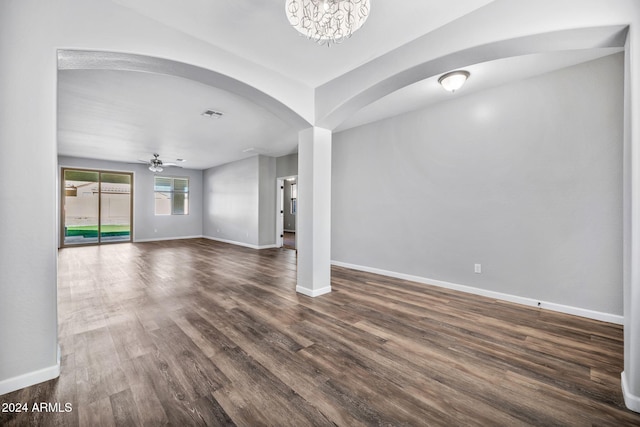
(62, 243)
(280, 212)
(280, 209)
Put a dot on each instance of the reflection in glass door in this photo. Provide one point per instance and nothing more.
(115, 207)
(96, 207)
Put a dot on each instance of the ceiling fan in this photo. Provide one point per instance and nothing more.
(157, 165)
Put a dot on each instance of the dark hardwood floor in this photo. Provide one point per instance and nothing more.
(289, 240)
(196, 332)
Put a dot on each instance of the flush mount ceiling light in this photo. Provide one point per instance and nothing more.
(454, 80)
(327, 21)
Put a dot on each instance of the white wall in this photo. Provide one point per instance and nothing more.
(236, 195)
(525, 179)
(146, 225)
(28, 256)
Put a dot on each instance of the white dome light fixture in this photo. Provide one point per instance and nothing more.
(454, 80)
(327, 21)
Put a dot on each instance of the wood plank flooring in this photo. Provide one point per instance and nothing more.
(289, 240)
(196, 332)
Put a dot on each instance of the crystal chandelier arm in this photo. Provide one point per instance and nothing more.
(327, 21)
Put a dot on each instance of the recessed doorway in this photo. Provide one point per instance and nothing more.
(288, 209)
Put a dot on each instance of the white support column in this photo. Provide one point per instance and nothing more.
(631, 266)
(313, 229)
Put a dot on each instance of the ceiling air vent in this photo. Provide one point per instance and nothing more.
(212, 114)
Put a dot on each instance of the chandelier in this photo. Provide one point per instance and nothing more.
(327, 21)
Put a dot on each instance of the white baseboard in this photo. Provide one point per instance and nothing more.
(576, 311)
(246, 245)
(313, 292)
(630, 400)
(160, 239)
(29, 379)
(290, 231)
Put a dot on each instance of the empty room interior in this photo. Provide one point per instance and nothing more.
(320, 212)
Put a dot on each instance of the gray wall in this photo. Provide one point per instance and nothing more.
(236, 195)
(146, 225)
(267, 200)
(287, 165)
(525, 179)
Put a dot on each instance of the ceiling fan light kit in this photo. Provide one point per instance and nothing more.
(327, 21)
(157, 165)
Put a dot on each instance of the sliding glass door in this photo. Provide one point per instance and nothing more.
(96, 207)
(115, 207)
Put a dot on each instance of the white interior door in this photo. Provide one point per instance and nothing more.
(280, 213)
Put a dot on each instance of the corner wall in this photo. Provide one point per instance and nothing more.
(239, 202)
(525, 179)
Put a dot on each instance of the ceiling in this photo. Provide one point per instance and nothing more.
(259, 30)
(485, 75)
(128, 115)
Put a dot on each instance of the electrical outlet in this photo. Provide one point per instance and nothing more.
(477, 268)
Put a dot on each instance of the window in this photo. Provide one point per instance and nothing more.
(172, 195)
